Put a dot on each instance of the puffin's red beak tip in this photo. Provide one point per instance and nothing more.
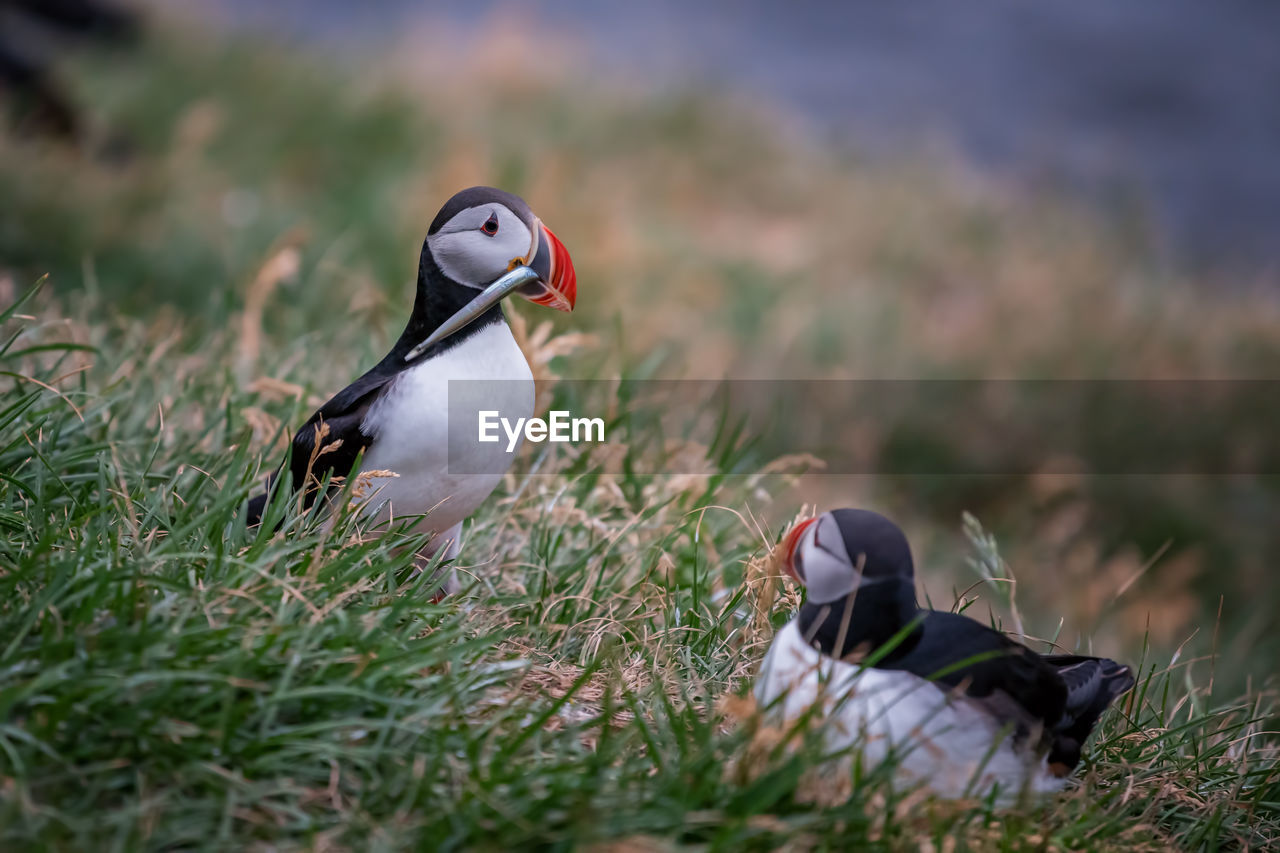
(561, 280)
(789, 547)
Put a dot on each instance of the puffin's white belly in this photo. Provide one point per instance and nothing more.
(410, 426)
(946, 743)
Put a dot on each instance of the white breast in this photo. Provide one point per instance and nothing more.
(410, 427)
(940, 741)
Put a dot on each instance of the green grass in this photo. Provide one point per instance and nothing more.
(169, 679)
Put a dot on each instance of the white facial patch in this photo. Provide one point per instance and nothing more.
(829, 574)
(470, 256)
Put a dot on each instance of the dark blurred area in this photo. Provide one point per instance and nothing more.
(1165, 111)
(33, 33)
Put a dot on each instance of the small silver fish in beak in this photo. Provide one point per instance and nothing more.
(494, 293)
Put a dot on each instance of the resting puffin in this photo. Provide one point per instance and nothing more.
(483, 244)
(964, 710)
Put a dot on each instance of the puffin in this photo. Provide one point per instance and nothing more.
(963, 710)
(455, 358)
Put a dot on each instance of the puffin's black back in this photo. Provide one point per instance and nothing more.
(1063, 694)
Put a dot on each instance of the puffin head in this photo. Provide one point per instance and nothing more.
(841, 550)
(482, 233)
(490, 241)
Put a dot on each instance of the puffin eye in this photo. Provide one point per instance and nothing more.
(490, 225)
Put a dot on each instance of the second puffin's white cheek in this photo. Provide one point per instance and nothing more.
(827, 577)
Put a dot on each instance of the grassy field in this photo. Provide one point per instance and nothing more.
(171, 680)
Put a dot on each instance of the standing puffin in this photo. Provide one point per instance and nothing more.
(963, 709)
(483, 244)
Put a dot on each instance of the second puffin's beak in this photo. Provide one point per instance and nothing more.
(546, 278)
(789, 548)
(557, 284)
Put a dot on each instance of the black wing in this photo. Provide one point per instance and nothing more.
(957, 651)
(1092, 685)
(1066, 694)
(342, 416)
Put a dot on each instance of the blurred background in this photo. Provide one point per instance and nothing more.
(754, 190)
(1159, 112)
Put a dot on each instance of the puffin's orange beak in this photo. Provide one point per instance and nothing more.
(789, 548)
(557, 285)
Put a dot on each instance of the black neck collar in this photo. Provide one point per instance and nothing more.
(875, 614)
(437, 299)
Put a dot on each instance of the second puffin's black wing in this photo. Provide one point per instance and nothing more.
(339, 445)
(1067, 694)
(958, 652)
(1092, 685)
